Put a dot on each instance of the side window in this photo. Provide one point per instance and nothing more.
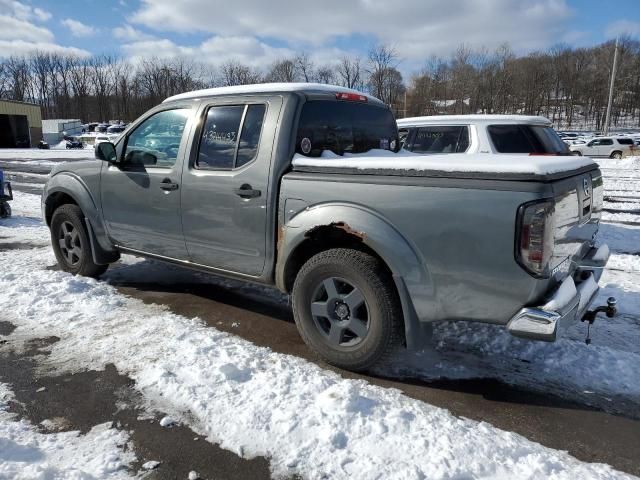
(606, 141)
(223, 146)
(155, 142)
(250, 136)
(510, 139)
(441, 139)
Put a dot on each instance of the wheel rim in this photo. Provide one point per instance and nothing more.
(340, 312)
(70, 243)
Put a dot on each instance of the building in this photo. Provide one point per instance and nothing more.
(53, 131)
(20, 124)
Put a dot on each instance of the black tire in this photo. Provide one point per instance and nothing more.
(616, 155)
(70, 241)
(579, 154)
(346, 271)
(5, 210)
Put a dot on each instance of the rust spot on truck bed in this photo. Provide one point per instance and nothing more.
(340, 225)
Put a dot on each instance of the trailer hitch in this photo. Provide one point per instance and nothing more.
(590, 316)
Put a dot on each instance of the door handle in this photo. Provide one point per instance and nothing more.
(247, 191)
(168, 185)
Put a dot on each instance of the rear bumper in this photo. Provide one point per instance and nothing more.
(566, 304)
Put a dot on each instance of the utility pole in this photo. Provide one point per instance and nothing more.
(613, 79)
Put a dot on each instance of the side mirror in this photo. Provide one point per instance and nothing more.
(106, 151)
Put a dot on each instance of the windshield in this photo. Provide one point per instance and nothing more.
(532, 139)
(345, 127)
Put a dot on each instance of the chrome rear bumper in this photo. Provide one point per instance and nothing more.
(542, 323)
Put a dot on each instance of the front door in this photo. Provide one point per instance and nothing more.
(225, 205)
(141, 192)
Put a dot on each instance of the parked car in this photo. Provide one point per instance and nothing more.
(74, 143)
(116, 129)
(246, 182)
(102, 138)
(607, 147)
(42, 145)
(480, 134)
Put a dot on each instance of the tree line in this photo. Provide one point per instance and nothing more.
(568, 85)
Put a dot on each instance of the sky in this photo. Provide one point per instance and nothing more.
(258, 32)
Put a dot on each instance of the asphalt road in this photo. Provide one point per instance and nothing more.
(586, 433)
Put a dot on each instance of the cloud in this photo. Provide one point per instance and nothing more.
(19, 35)
(21, 11)
(130, 34)
(214, 51)
(41, 14)
(20, 47)
(623, 27)
(78, 29)
(417, 29)
(17, 29)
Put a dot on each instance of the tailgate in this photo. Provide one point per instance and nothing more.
(577, 216)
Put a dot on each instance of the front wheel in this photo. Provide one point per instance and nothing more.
(70, 241)
(346, 308)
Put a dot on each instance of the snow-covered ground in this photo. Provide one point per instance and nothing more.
(26, 453)
(307, 420)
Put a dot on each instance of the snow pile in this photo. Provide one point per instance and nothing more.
(27, 454)
(252, 401)
(453, 162)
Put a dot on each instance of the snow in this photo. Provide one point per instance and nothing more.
(309, 421)
(150, 465)
(26, 453)
(45, 156)
(193, 475)
(562, 296)
(265, 88)
(451, 162)
(167, 422)
(474, 118)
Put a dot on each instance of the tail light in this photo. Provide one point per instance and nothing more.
(351, 97)
(534, 237)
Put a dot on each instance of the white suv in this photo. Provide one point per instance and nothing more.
(481, 134)
(610, 147)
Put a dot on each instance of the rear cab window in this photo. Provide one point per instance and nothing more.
(440, 139)
(531, 139)
(230, 137)
(345, 127)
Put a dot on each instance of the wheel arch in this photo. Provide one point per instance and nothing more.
(68, 188)
(351, 226)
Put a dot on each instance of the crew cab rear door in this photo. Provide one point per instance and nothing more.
(225, 207)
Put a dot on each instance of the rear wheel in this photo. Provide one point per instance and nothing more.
(346, 308)
(70, 241)
(616, 154)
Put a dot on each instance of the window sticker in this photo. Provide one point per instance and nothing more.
(305, 145)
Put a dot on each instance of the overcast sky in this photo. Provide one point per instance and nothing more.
(258, 31)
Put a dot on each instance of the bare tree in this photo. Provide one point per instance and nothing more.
(349, 72)
(304, 66)
(282, 71)
(235, 73)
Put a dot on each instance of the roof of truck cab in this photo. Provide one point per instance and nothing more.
(473, 119)
(267, 88)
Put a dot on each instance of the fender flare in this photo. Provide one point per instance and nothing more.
(412, 279)
(72, 185)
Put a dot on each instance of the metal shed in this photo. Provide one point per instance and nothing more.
(20, 124)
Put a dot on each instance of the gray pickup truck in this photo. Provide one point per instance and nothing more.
(216, 180)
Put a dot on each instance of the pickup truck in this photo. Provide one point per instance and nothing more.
(303, 186)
